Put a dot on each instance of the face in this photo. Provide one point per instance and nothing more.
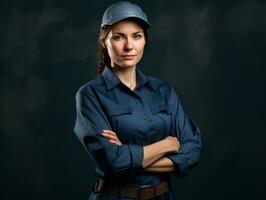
(125, 44)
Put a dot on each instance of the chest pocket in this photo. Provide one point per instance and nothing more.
(161, 116)
(120, 119)
(117, 115)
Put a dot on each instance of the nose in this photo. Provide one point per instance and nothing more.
(128, 45)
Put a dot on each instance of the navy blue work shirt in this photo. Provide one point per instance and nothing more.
(139, 117)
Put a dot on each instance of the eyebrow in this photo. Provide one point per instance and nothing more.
(124, 34)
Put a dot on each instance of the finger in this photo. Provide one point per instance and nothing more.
(115, 142)
(109, 131)
(110, 136)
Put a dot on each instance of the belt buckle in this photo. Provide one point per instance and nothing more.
(143, 187)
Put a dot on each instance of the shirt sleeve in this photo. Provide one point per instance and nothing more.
(114, 160)
(187, 133)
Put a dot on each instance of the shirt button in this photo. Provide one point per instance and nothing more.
(144, 117)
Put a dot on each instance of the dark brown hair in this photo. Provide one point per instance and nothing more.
(102, 54)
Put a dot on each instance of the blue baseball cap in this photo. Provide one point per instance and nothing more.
(122, 10)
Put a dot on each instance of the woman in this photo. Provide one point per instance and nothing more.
(132, 125)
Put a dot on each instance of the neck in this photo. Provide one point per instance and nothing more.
(127, 76)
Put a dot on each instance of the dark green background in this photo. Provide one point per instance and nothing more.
(213, 52)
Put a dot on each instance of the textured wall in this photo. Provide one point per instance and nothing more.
(212, 52)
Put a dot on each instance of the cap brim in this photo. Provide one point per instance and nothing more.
(120, 18)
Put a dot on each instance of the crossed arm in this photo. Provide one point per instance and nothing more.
(154, 154)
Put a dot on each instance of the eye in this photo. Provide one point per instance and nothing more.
(137, 36)
(117, 37)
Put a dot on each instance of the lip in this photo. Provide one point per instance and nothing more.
(128, 57)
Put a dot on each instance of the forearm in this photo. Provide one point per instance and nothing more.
(164, 164)
(154, 152)
(159, 170)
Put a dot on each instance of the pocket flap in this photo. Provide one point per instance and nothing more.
(159, 108)
(112, 111)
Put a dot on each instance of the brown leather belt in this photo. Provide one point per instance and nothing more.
(144, 192)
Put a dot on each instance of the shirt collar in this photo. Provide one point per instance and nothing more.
(112, 80)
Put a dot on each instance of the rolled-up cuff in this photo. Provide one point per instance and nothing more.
(137, 155)
(181, 165)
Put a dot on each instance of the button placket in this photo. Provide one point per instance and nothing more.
(144, 116)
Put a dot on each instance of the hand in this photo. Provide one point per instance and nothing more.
(111, 135)
(173, 143)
